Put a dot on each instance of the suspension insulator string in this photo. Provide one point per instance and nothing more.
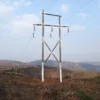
(68, 29)
(51, 31)
(34, 31)
(50, 35)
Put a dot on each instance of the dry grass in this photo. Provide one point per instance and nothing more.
(21, 87)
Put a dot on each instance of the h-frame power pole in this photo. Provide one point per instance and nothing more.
(44, 42)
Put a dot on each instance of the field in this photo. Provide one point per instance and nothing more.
(25, 85)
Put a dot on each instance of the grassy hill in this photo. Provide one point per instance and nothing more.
(20, 87)
(53, 72)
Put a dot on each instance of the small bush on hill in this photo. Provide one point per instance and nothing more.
(83, 96)
(96, 79)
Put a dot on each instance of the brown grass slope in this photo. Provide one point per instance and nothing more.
(53, 72)
(21, 87)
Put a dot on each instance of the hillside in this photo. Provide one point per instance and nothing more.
(70, 65)
(53, 72)
(89, 66)
(10, 62)
(21, 87)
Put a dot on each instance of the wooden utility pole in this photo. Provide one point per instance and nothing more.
(44, 42)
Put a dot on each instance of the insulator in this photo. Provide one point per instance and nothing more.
(33, 34)
(68, 30)
(50, 35)
(34, 27)
(33, 31)
(52, 29)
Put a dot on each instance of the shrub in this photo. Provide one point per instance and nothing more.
(67, 77)
(96, 79)
(83, 96)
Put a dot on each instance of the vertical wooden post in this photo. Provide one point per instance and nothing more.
(60, 60)
(42, 46)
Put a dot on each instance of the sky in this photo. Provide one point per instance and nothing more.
(16, 29)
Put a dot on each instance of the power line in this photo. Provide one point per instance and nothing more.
(26, 47)
(28, 43)
(87, 3)
(81, 9)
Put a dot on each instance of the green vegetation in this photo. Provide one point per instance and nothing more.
(83, 96)
(96, 79)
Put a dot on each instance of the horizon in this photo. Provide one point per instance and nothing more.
(16, 28)
(49, 60)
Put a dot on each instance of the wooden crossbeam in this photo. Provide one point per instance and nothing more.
(52, 14)
(50, 25)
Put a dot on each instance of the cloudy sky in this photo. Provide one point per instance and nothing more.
(16, 28)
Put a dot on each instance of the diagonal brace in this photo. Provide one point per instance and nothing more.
(51, 52)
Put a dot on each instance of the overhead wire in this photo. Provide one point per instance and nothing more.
(52, 27)
(80, 9)
(30, 38)
(26, 47)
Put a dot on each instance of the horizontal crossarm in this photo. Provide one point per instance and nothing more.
(52, 14)
(51, 25)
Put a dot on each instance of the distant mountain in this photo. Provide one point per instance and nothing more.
(10, 62)
(37, 62)
(65, 64)
(48, 63)
(94, 63)
(89, 66)
(70, 65)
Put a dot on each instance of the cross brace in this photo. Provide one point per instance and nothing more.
(51, 51)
